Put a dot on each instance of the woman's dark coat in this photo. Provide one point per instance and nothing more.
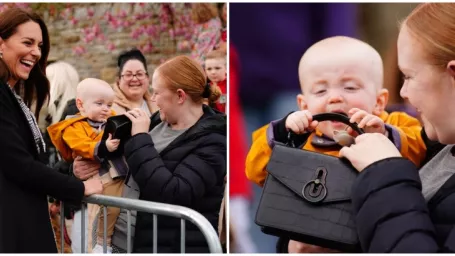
(392, 215)
(188, 172)
(25, 183)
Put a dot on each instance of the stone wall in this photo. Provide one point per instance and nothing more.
(91, 36)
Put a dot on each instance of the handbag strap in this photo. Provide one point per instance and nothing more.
(320, 118)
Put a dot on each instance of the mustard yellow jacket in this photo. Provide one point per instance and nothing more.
(75, 137)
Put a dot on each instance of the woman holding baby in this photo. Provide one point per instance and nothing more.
(176, 156)
(397, 206)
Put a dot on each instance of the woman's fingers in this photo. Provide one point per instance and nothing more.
(130, 116)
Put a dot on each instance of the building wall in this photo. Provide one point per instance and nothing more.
(91, 36)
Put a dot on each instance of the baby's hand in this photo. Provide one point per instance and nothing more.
(368, 122)
(301, 122)
(111, 144)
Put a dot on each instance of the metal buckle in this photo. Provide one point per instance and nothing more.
(315, 191)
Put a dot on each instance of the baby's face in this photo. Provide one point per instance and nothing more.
(97, 106)
(338, 86)
(98, 109)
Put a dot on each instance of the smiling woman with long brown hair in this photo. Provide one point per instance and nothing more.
(25, 182)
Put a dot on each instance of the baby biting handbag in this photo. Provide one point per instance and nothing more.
(306, 195)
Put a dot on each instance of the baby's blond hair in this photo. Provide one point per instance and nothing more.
(89, 85)
(344, 47)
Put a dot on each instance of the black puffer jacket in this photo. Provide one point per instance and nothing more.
(189, 172)
(392, 215)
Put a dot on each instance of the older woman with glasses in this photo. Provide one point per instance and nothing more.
(132, 84)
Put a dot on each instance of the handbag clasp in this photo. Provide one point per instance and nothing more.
(315, 191)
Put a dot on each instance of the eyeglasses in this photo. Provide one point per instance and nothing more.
(139, 76)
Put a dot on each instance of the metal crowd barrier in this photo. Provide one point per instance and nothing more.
(181, 212)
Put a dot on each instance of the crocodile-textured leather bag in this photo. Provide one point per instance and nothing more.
(119, 126)
(306, 196)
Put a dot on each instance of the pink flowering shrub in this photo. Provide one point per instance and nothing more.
(145, 23)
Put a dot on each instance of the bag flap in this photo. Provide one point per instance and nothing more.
(119, 126)
(295, 168)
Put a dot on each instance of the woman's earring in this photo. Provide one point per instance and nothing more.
(1, 55)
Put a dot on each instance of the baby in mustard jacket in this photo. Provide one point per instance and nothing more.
(81, 135)
(341, 75)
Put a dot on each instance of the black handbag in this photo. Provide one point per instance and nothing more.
(306, 195)
(119, 126)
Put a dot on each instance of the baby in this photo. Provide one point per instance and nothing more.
(81, 135)
(339, 75)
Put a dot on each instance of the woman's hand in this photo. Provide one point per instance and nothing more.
(93, 186)
(84, 169)
(299, 247)
(140, 121)
(369, 148)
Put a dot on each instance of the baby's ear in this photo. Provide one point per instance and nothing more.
(451, 68)
(381, 101)
(79, 105)
(301, 103)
